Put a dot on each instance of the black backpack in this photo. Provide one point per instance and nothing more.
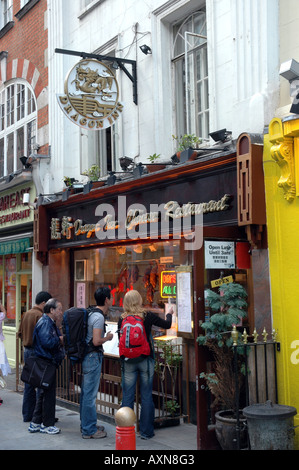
(74, 326)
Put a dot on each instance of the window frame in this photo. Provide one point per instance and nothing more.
(18, 116)
(188, 111)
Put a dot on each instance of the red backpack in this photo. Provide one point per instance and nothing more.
(132, 339)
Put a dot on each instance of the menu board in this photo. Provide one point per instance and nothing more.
(184, 301)
(111, 347)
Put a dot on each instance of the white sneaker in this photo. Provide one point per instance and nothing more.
(49, 429)
(2, 382)
(33, 427)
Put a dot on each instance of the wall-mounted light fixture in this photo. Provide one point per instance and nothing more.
(26, 201)
(220, 136)
(9, 178)
(27, 161)
(126, 163)
(145, 49)
(290, 71)
(111, 179)
(138, 170)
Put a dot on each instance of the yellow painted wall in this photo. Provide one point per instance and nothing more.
(283, 242)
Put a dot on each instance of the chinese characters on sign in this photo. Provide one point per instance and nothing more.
(219, 255)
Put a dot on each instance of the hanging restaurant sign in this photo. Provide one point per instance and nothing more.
(91, 93)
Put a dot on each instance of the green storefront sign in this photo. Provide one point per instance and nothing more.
(15, 246)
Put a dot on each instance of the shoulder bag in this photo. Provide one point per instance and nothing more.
(38, 372)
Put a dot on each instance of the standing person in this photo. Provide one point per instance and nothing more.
(48, 344)
(26, 328)
(4, 365)
(92, 365)
(143, 365)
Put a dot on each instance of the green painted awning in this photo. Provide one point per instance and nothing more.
(15, 246)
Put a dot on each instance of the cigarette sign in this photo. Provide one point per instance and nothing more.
(168, 284)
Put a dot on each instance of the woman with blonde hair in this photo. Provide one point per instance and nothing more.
(142, 365)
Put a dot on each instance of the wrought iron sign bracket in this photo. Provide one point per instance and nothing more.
(120, 62)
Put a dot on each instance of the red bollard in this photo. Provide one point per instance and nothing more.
(125, 438)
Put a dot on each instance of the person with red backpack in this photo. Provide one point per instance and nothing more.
(137, 354)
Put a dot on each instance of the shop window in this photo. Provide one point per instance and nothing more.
(18, 126)
(10, 267)
(16, 296)
(190, 61)
(148, 268)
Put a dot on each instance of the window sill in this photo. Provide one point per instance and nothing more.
(6, 28)
(93, 4)
(19, 15)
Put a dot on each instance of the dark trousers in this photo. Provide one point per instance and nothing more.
(44, 411)
(30, 394)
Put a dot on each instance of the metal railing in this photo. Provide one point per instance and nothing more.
(259, 371)
(167, 386)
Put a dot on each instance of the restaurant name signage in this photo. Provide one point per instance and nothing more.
(15, 246)
(91, 93)
(132, 221)
(12, 208)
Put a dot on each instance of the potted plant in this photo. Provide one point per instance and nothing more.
(230, 307)
(68, 181)
(93, 173)
(154, 165)
(168, 362)
(186, 145)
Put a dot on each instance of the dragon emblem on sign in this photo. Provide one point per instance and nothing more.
(91, 95)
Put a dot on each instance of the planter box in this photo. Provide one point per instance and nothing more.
(152, 167)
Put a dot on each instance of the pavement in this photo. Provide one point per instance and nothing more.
(14, 433)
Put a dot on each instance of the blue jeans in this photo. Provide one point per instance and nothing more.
(30, 395)
(91, 371)
(145, 370)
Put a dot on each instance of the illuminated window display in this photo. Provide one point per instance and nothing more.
(148, 268)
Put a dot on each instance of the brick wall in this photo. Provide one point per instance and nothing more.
(26, 43)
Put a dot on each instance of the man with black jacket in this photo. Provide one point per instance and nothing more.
(48, 344)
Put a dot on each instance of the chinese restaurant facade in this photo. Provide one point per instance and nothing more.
(183, 238)
(16, 261)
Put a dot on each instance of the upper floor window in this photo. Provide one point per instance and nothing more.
(18, 125)
(5, 12)
(23, 2)
(191, 75)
